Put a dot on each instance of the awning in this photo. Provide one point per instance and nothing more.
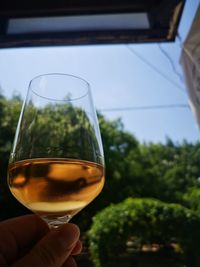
(49, 23)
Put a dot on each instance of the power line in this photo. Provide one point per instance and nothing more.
(179, 38)
(155, 69)
(151, 107)
(171, 62)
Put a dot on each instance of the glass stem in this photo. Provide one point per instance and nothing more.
(56, 221)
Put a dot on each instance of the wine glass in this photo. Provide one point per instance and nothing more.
(56, 165)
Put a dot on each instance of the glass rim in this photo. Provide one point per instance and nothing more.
(78, 78)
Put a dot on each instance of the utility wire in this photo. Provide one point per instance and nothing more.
(151, 107)
(155, 69)
(179, 38)
(171, 62)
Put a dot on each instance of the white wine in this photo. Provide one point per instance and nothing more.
(55, 187)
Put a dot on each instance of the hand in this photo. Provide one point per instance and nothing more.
(27, 241)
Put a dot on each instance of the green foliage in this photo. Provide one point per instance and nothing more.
(9, 114)
(168, 172)
(164, 171)
(161, 171)
(148, 220)
(171, 169)
(118, 144)
(56, 130)
(122, 175)
(192, 199)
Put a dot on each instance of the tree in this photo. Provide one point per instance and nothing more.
(163, 171)
(191, 199)
(9, 113)
(121, 179)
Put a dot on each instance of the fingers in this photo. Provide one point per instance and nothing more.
(70, 262)
(77, 249)
(54, 249)
(19, 233)
(25, 227)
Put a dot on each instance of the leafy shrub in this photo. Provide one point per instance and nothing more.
(191, 199)
(150, 220)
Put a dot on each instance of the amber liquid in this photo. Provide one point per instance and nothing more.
(55, 187)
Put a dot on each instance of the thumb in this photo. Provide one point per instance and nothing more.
(53, 249)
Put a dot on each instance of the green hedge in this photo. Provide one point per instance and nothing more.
(150, 220)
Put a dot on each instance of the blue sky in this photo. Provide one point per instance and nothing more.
(118, 79)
